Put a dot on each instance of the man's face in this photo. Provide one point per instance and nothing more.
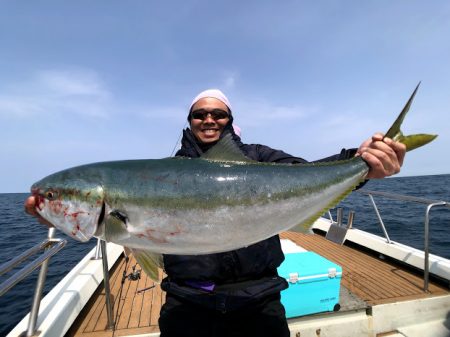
(208, 129)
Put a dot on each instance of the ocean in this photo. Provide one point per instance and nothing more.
(404, 223)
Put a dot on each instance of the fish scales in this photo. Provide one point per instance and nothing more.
(202, 206)
(181, 205)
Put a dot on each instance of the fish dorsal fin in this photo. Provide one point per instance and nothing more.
(226, 150)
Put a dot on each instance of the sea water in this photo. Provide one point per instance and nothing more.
(404, 223)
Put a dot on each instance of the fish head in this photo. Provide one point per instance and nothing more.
(73, 204)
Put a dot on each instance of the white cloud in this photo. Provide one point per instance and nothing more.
(51, 92)
(18, 106)
(260, 113)
(230, 79)
(159, 112)
(71, 83)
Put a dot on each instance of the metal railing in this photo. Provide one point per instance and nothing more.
(100, 253)
(108, 303)
(429, 205)
(51, 246)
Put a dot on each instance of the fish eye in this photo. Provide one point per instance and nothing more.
(50, 194)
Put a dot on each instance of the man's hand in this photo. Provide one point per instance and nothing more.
(30, 208)
(383, 155)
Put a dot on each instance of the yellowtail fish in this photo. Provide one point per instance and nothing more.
(219, 202)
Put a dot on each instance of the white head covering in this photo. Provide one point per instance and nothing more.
(213, 93)
(237, 130)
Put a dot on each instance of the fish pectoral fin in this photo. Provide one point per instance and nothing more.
(226, 149)
(150, 263)
(116, 223)
(119, 215)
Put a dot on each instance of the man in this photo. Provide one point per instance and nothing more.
(237, 293)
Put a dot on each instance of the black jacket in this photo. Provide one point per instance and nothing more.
(240, 276)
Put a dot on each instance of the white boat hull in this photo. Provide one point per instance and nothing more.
(420, 317)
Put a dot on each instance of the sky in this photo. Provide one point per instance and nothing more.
(89, 81)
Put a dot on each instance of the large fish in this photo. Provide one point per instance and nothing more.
(219, 202)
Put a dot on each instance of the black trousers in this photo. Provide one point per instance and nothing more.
(266, 318)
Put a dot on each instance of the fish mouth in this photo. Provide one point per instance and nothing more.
(38, 198)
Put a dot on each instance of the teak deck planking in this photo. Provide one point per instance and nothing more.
(374, 280)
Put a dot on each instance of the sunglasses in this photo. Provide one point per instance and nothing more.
(215, 114)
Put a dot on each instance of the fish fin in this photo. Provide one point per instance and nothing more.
(226, 149)
(116, 226)
(413, 141)
(150, 263)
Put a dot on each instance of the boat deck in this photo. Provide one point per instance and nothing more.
(137, 303)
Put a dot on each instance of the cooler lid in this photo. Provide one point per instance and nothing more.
(289, 246)
(305, 266)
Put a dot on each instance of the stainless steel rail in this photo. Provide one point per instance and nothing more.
(430, 204)
(109, 309)
(51, 246)
(101, 253)
(404, 197)
(380, 220)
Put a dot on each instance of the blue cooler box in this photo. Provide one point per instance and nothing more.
(314, 284)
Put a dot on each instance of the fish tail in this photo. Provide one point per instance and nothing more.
(412, 141)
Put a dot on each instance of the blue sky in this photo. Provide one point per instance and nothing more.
(92, 81)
